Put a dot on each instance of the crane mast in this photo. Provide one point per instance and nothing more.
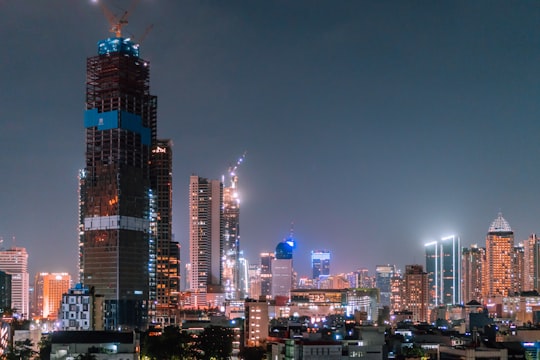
(116, 22)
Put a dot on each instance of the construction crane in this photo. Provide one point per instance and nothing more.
(116, 23)
(232, 170)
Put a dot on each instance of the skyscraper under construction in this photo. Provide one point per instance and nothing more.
(120, 211)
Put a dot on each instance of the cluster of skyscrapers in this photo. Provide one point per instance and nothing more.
(129, 259)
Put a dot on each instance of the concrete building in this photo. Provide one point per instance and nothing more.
(117, 242)
(416, 297)
(206, 241)
(81, 310)
(102, 344)
(266, 273)
(48, 291)
(14, 261)
(498, 274)
(383, 276)
(320, 263)
(472, 262)
(257, 321)
(531, 263)
(282, 269)
(167, 254)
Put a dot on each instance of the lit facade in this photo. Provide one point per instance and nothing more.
(231, 246)
(266, 273)
(256, 322)
(282, 269)
(81, 310)
(117, 249)
(416, 296)
(473, 259)
(443, 266)
(167, 250)
(14, 261)
(498, 269)
(206, 235)
(320, 263)
(531, 261)
(48, 291)
(383, 276)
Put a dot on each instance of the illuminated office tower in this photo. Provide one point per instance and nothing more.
(266, 273)
(206, 233)
(320, 263)
(383, 276)
(433, 266)
(416, 295)
(443, 267)
(472, 261)
(231, 280)
(48, 291)
(14, 261)
(167, 258)
(497, 277)
(117, 239)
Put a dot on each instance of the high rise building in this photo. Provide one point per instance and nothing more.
(206, 234)
(518, 269)
(167, 250)
(231, 279)
(48, 291)
(14, 261)
(266, 273)
(497, 277)
(472, 261)
(433, 266)
(531, 263)
(117, 243)
(443, 267)
(282, 268)
(383, 276)
(416, 292)
(397, 292)
(320, 263)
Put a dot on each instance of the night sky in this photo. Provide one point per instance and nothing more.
(374, 126)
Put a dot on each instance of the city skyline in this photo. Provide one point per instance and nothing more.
(369, 125)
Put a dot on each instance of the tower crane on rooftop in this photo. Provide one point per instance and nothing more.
(116, 22)
(232, 170)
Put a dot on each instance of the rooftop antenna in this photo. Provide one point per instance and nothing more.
(116, 22)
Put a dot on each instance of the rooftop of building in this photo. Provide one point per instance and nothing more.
(92, 337)
(500, 225)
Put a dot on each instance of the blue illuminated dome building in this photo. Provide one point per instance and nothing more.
(284, 250)
(282, 268)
